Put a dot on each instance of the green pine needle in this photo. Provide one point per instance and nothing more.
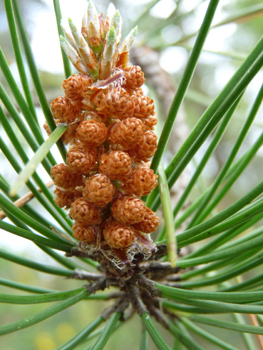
(30, 167)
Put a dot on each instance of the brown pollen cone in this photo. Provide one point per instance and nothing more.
(64, 198)
(150, 122)
(144, 105)
(92, 133)
(127, 133)
(149, 223)
(64, 111)
(134, 78)
(76, 87)
(68, 136)
(128, 210)
(85, 212)
(64, 178)
(140, 182)
(99, 190)
(116, 164)
(116, 104)
(119, 235)
(84, 233)
(145, 149)
(81, 159)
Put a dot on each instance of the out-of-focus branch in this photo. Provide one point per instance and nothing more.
(25, 199)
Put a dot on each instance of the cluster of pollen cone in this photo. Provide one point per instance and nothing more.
(110, 137)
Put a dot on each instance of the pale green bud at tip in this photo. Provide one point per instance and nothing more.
(62, 40)
(91, 9)
(111, 36)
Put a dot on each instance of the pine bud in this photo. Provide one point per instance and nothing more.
(76, 87)
(81, 160)
(140, 182)
(92, 133)
(145, 149)
(116, 164)
(127, 133)
(84, 233)
(134, 78)
(64, 178)
(119, 235)
(85, 212)
(128, 210)
(64, 198)
(149, 223)
(99, 190)
(64, 111)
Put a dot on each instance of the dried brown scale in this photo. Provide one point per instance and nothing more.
(99, 190)
(145, 149)
(81, 159)
(134, 78)
(128, 210)
(76, 87)
(64, 198)
(127, 133)
(116, 164)
(85, 233)
(85, 212)
(119, 235)
(64, 111)
(92, 133)
(149, 223)
(140, 182)
(64, 178)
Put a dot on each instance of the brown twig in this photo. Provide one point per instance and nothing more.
(254, 321)
(79, 275)
(19, 203)
(148, 285)
(135, 298)
(160, 252)
(120, 305)
(100, 284)
(158, 270)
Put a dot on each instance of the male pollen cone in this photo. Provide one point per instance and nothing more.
(115, 164)
(64, 111)
(92, 133)
(64, 178)
(85, 212)
(99, 190)
(149, 223)
(128, 210)
(119, 235)
(87, 234)
(76, 87)
(140, 182)
(81, 159)
(127, 133)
